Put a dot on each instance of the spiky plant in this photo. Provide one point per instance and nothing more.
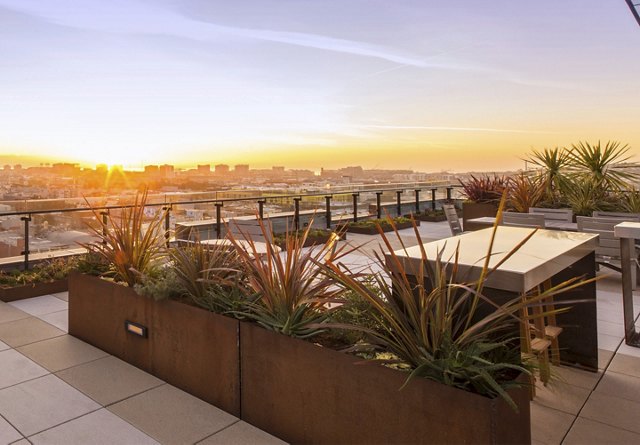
(607, 165)
(292, 290)
(552, 172)
(484, 189)
(524, 192)
(131, 243)
(440, 324)
(210, 275)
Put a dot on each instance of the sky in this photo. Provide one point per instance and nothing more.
(426, 85)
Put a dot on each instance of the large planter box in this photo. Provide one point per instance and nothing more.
(314, 240)
(188, 347)
(385, 228)
(471, 210)
(304, 393)
(32, 290)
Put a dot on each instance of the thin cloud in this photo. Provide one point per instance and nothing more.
(467, 129)
(119, 16)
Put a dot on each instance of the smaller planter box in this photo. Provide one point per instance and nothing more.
(314, 240)
(304, 393)
(32, 290)
(372, 230)
(426, 217)
(471, 210)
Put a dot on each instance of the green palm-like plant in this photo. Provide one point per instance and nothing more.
(629, 201)
(129, 243)
(292, 290)
(441, 325)
(552, 172)
(606, 165)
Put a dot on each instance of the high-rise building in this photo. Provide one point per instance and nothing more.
(241, 169)
(166, 170)
(204, 168)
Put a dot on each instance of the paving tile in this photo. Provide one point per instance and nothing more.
(614, 411)
(586, 432)
(10, 313)
(109, 380)
(604, 358)
(8, 434)
(625, 364)
(16, 368)
(548, 426)
(40, 305)
(172, 416)
(3, 346)
(629, 350)
(608, 342)
(561, 396)
(97, 428)
(576, 377)
(45, 402)
(611, 328)
(241, 433)
(27, 330)
(58, 319)
(22, 442)
(61, 352)
(64, 296)
(620, 385)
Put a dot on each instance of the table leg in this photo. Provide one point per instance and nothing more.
(631, 337)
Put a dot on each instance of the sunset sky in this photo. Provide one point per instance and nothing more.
(417, 84)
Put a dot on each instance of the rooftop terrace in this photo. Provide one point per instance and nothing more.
(55, 389)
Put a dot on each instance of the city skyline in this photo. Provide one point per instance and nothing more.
(420, 85)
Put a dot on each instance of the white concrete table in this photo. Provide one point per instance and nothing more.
(628, 232)
(548, 255)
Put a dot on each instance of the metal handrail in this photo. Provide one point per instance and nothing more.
(167, 206)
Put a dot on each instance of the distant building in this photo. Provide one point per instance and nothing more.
(151, 169)
(241, 169)
(204, 168)
(166, 170)
(221, 169)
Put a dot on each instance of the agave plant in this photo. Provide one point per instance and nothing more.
(524, 192)
(130, 243)
(606, 165)
(629, 201)
(292, 290)
(586, 195)
(437, 323)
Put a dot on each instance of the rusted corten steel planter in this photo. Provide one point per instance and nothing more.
(385, 228)
(188, 347)
(304, 393)
(471, 210)
(32, 290)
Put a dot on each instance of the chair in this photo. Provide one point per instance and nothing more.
(553, 214)
(452, 218)
(533, 341)
(515, 219)
(608, 249)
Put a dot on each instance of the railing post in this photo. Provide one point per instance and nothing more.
(296, 213)
(327, 200)
(167, 223)
(417, 191)
(26, 220)
(105, 222)
(261, 203)
(449, 193)
(355, 206)
(218, 219)
(378, 205)
(398, 202)
(433, 198)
